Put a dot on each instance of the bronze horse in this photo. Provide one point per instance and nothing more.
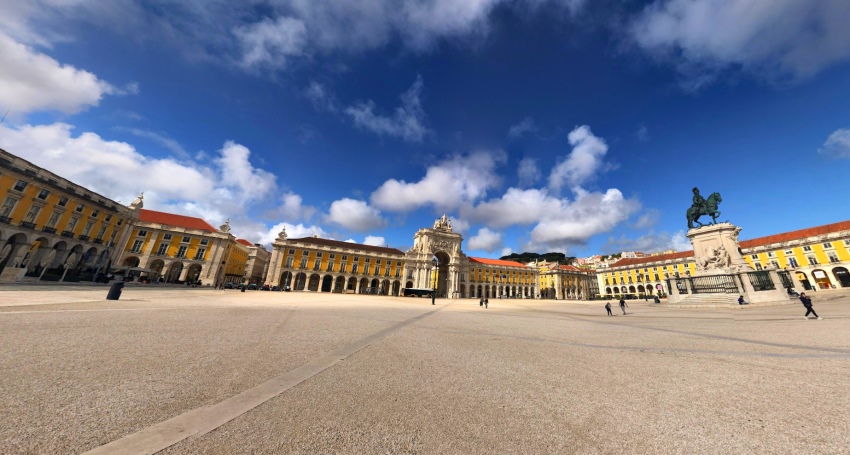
(710, 209)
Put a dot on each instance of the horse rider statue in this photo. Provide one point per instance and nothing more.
(702, 206)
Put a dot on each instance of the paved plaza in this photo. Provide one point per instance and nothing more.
(187, 371)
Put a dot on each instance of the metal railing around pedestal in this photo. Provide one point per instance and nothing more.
(713, 284)
(785, 277)
(761, 281)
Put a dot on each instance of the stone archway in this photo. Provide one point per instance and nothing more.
(313, 284)
(842, 276)
(385, 287)
(156, 266)
(396, 288)
(285, 280)
(339, 284)
(131, 261)
(364, 283)
(327, 283)
(300, 281)
(352, 285)
(175, 269)
(193, 273)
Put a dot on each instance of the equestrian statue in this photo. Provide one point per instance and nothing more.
(702, 206)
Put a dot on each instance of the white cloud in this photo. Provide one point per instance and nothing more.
(321, 98)
(837, 145)
(583, 162)
(773, 38)
(31, 81)
(506, 251)
(446, 186)
(459, 225)
(528, 172)
(270, 43)
(527, 125)
(162, 139)
(515, 207)
(648, 219)
(486, 240)
(374, 241)
(407, 122)
(293, 231)
(292, 207)
(355, 215)
(222, 187)
(651, 242)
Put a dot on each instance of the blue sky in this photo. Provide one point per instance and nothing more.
(536, 125)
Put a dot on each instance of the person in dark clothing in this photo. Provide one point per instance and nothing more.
(807, 302)
(608, 308)
(623, 305)
(486, 301)
(481, 302)
(741, 300)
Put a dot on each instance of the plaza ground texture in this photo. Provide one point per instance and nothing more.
(188, 371)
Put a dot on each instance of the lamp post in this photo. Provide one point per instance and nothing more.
(434, 271)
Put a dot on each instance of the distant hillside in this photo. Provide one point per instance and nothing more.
(525, 258)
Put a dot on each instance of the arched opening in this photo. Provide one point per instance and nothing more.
(156, 266)
(327, 283)
(842, 276)
(396, 288)
(822, 280)
(339, 284)
(174, 271)
(131, 261)
(442, 276)
(408, 285)
(364, 283)
(641, 290)
(385, 287)
(462, 289)
(13, 251)
(352, 285)
(313, 284)
(804, 280)
(300, 281)
(193, 275)
(285, 280)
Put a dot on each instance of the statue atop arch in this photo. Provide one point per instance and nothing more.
(443, 224)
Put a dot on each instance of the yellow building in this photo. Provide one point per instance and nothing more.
(170, 248)
(819, 256)
(52, 229)
(559, 281)
(235, 265)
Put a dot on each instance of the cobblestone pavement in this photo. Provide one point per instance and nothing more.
(186, 371)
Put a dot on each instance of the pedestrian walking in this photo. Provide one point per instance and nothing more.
(486, 301)
(807, 302)
(481, 302)
(608, 308)
(623, 305)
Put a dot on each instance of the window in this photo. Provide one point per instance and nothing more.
(108, 218)
(792, 262)
(318, 255)
(95, 213)
(807, 248)
(833, 258)
(827, 245)
(185, 240)
(181, 251)
(398, 264)
(72, 224)
(292, 251)
(79, 208)
(774, 264)
(163, 248)
(368, 260)
(788, 253)
(344, 257)
(656, 277)
(356, 259)
(317, 264)
(199, 256)
(137, 246)
(119, 222)
(142, 234)
(32, 214)
(758, 265)
(43, 194)
(330, 267)
(303, 263)
(100, 232)
(378, 261)
(342, 267)
(771, 254)
(354, 268)
(812, 260)
(289, 262)
(63, 201)
(847, 242)
(20, 185)
(54, 218)
(387, 272)
(166, 237)
(333, 256)
(8, 206)
(205, 241)
(88, 227)
(755, 257)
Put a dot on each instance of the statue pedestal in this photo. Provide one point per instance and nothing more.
(722, 274)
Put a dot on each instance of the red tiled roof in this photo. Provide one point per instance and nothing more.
(244, 242)
(170, 219)
(796, 235)
(568, 267)
(648, 259)
(500, 262)
(348, 245)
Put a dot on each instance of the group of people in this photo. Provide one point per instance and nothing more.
(483, 302)
(623, 307)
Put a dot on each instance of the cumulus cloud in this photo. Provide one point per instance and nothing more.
(773, 38)
(447, 185)
(31, 81)
(528, 172)
(374, 240)
(292, 208)
(584, 162)
(648, 219)
(270, 43)
(506, 251)
(223, 188)
(486, 240)
(321, 98)
(266, 236)
(522, 128)
(651, 242)
(837, 145)
(407, 122)
(355, 215)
